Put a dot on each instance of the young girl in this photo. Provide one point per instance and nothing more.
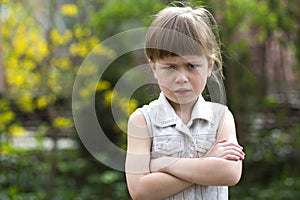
(181, 146)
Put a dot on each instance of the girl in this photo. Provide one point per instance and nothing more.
(181, 146)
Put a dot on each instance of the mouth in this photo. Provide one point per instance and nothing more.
(181, 91)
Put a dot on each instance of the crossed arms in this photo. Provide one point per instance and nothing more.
(166, 176)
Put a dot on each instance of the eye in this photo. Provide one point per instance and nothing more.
(192, 66)
(170, 67)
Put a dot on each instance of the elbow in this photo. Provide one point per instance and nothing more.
(138, 193)
(135, 193)
(233, 175)
(137, 196)
(233, 180)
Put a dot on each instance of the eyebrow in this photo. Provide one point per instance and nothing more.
(175, 63)
(167, 63)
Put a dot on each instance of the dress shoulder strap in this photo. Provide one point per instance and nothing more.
(221, 116)
(145, 111)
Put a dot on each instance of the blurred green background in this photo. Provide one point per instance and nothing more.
(43, 44)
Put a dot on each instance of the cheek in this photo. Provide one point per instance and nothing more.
(164, 82)
(203, 71)
(164, 78)
(202, 74)
(199, 82)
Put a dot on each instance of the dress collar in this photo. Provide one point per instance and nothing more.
(164, 115)
(203, 110)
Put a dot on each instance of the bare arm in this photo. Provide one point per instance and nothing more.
(143, 184)
(203, 171)
(222, 165)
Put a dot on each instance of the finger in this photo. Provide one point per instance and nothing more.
(236, 149)
(235, 153)
(222, 140)
(229, 143)
(232, 157)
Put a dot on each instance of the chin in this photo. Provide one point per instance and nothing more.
(184, 100)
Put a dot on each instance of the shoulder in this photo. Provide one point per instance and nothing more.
(153, 105)
(147, 111)
(137, 126)
(137, 118)
(141, 120)
(227, 127)
(217, 106)
(228, 118)
(221, 111)
(218, 110)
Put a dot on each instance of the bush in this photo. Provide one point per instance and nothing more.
(33, 174)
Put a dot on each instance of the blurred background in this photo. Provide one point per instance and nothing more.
(42, 45)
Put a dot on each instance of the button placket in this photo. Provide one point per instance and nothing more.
(193, 148)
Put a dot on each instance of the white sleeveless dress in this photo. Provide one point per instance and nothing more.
(171, 137)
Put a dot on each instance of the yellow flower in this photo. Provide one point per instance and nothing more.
(79, 50)
(69, 10)
(63, 63)
(4, 1)
(16, 131)
(108, 97)
(56, 37)
(6, 117)
(103, 85)
(28, 64)
(19, 80)
(83, 50)
(102, 50)
(25, 103)
(41, 102)
(81, 32)
(62, 122)
(5, 149)
(68, 35)
(93, 42)
(20, 45)
(41, 50)
(132, 105)
(52, 82)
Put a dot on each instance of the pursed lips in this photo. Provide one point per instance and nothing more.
(182, 90)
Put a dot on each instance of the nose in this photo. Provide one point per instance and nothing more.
(181, 77)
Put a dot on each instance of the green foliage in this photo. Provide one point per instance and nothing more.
(111, 18)
(116, 16)
(270, 102)
(282, 187)
(30, 175)
(41, 64)
(40, 80)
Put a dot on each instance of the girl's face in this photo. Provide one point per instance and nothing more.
(182, 79)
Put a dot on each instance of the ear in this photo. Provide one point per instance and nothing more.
(152, 65)
(211, 64)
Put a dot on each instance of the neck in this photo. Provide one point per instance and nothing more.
(184, 111)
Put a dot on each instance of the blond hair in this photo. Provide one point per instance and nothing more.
(179, 31)
(198, 24)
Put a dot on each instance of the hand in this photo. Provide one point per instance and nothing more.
(226, 150)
